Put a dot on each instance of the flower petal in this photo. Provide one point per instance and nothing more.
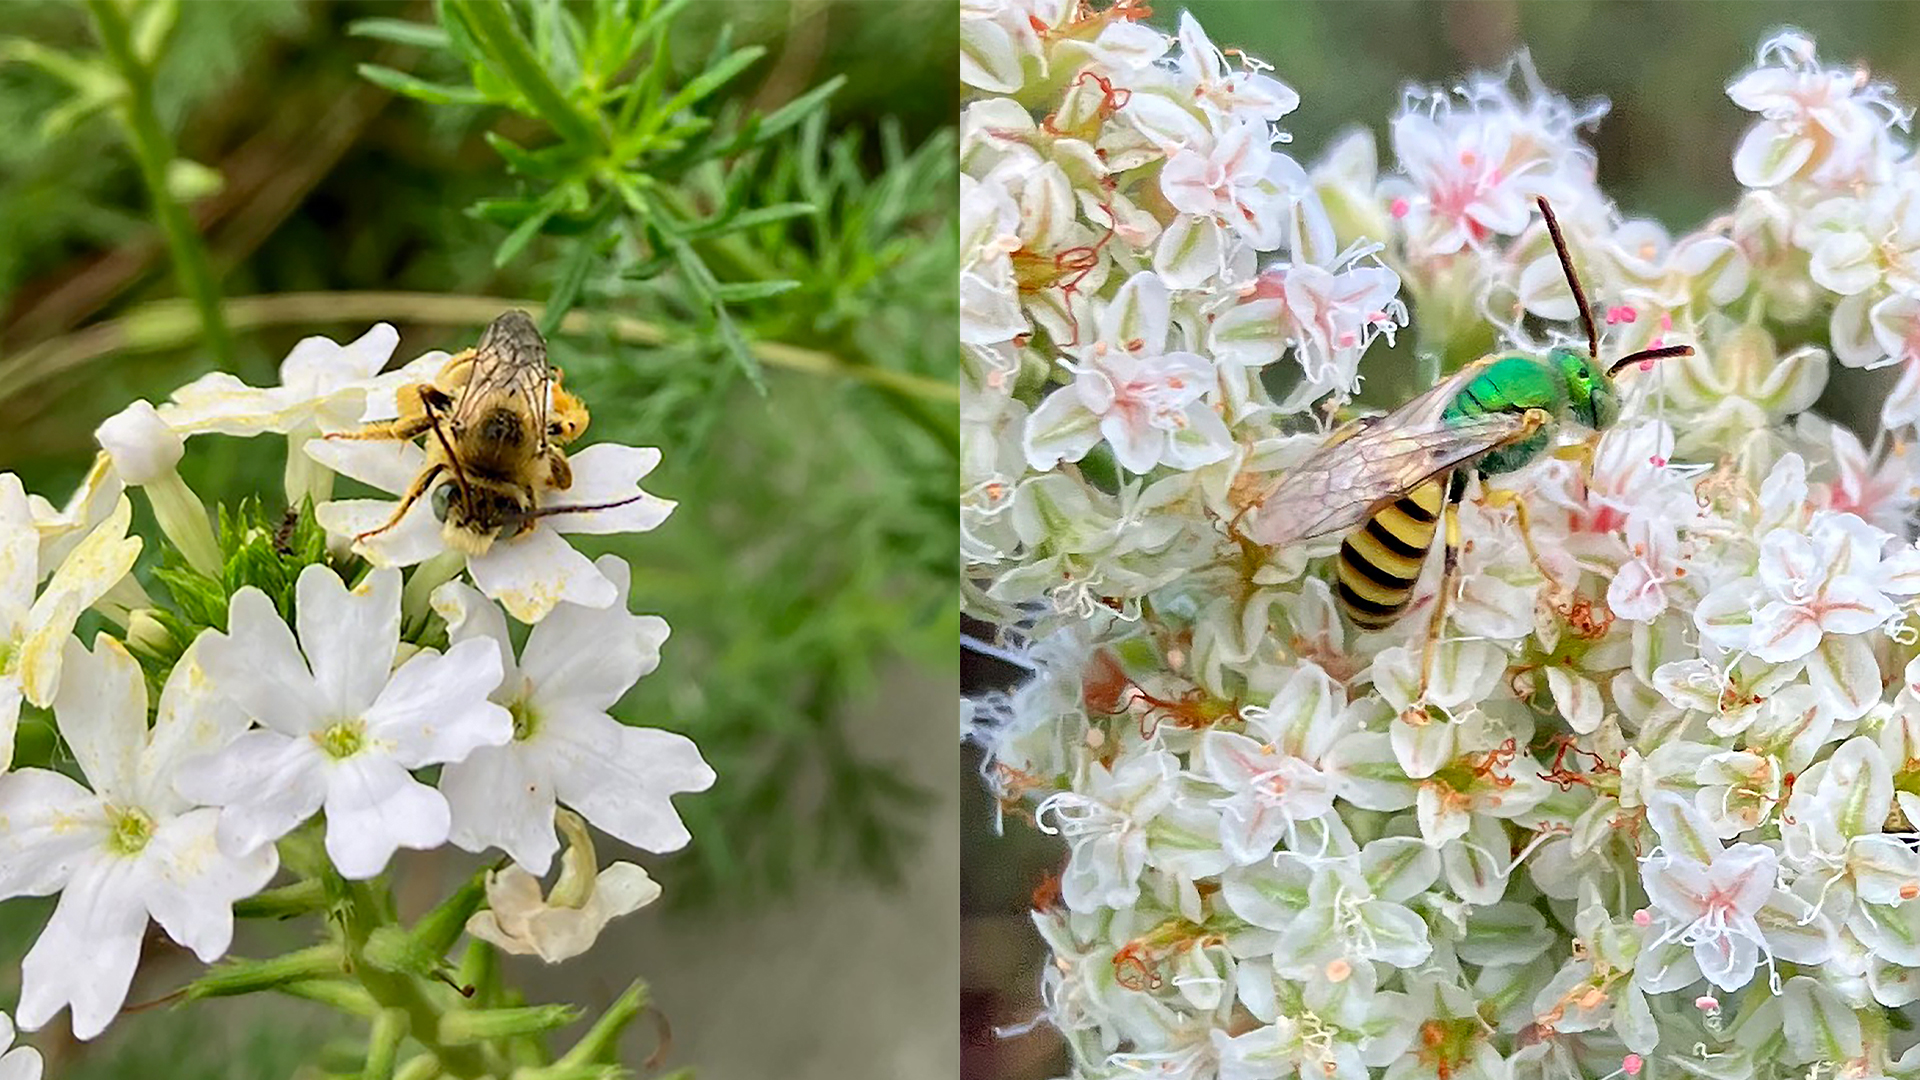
(602, 474)
(622, 779)
(47, 823)
(587, 658)
(194, 884)
(102, 712)
(387, 464)
(349, 638)
(258, 665)
(533, 573)
(194, 718)
(374, 808)
(266, 783)
(87, 954)
(415, 538)
(471, 615)
(96, 565)
(435, 709)
(502, 796)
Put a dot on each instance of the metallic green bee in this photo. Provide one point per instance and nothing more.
(1386, 481)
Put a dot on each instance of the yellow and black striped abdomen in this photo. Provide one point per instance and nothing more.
(1380, 561)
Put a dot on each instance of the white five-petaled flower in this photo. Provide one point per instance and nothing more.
(340, 726)
(323, 385)
(576, 664)
(1128, 389)
(1827, 125)
(1724, 904)
(1830, 579)
(1274, 776)
(1240, 95)
(126, 847)
(34, 629)
(566, 922)
(530, 573)
(1238, 183)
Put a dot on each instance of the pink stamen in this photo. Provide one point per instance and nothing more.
(1398, 208)
(1643, 917)
(1657, 461)
(1706, 1003)
(1632, 1064)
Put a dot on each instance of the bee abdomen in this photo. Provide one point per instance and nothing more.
(1380, 561)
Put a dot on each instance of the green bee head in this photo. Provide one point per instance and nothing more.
(1590, 392)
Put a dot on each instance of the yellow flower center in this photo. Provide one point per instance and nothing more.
(132, 828)
(344, 739)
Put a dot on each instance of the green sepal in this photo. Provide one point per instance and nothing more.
(484, 1025)
(287, 901)
(249, 976)
(600, 1041)
(349, 998)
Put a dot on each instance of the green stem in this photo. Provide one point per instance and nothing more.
(492, 21)
(155, 152)
(364, 914)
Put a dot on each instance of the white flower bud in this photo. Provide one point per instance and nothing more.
(144, 449)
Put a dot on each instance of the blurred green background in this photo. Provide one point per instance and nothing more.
(1665, 151)
(807, 573)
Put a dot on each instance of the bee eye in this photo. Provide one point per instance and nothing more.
(442, 499)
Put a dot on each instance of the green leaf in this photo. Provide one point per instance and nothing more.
(401, 32)
(153, 25)
(793, 112)
(704, 84)
(733, 292)
(498, 33)
(420, 89)
(750, 219)
(521, 236)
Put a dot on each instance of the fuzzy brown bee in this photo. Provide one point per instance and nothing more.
(497, 418)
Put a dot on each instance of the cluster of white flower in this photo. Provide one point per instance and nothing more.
(1655, 810)
(328, 705)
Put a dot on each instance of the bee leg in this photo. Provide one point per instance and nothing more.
(414, 491)
(417, 404)
(1509, 497)
(1449, 578)
(559, 472)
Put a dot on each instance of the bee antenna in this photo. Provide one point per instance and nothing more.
(453, 459)
(1573, 279)
(584, 508)
(1649, 355)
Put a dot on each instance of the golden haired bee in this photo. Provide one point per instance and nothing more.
(496, 418)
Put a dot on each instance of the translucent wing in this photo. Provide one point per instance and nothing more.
(1370, 464)
(510, 359)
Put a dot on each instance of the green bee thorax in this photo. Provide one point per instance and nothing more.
(1567, 385)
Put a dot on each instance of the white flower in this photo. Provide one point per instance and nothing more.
(989, 231)
(1826, 125)
(1243, 95)
(34, 630)
(1106, 829)
(1809, 585)
(341, 726)
(89, 505)
(143, 448)
(21, 1062)
(1274, 776)
(576, 664)
(1238, 183)
(1328, 317)
(1711, 899)
(567, 921)
(126, 847)
(323, 385)
(1128, 389)
(529, 573)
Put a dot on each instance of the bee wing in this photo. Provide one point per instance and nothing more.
(1370, 464)
(504, 371)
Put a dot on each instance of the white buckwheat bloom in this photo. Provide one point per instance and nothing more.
(530, 573)
(1825, 125)
(576, 664)
(124, 847)
(1238, 183)
(340, 726)
(1129, 390)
